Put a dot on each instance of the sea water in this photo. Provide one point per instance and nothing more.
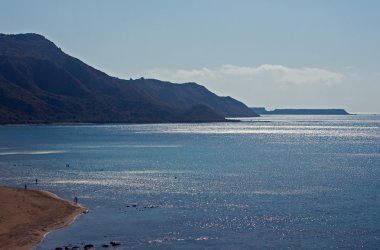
(270, 182)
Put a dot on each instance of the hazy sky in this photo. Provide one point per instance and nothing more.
(303, 53)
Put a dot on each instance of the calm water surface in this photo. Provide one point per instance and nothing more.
(270, 182)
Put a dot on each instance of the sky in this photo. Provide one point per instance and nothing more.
(268, 53)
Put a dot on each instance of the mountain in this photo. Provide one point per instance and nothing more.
(263, 111)
(189, 94)
(39, 83)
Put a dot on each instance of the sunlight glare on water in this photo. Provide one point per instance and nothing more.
(268, 182)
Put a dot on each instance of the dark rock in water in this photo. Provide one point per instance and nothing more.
(128, 206)
(114, 243)
(88, 247)
(151, 206)
(105, 245)
(134, 205)
(75, 247)
(58, 248)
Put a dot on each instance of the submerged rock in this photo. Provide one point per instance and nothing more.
(88, 247)
(114, 243)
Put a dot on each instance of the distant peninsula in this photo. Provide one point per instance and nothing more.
(39, 83)
(263, 111)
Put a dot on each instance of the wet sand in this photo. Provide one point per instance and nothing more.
(27, 215)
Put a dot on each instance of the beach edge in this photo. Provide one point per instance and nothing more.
(29, 215)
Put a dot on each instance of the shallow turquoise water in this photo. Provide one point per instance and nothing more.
(268, 182)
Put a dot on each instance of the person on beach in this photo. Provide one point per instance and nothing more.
(75, 200)
(25, 187)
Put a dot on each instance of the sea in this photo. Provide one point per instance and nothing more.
(272, 182)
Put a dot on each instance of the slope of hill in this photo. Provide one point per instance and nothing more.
(41, 84)
(189, 94)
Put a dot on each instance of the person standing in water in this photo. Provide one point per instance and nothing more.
(36, 181)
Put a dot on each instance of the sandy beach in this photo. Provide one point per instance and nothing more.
(27, 215)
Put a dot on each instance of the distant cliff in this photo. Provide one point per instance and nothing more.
(263, 111)
(39, 83)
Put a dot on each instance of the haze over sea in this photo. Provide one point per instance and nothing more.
(268, 182)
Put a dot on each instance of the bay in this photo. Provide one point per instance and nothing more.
(268, 182)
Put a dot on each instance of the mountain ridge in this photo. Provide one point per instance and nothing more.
(39, 83)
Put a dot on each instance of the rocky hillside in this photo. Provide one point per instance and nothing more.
(39, 83)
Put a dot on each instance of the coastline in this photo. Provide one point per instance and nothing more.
(26, 216)
(227, 120)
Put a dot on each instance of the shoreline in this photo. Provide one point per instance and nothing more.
(27, 216)
(227, 120)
